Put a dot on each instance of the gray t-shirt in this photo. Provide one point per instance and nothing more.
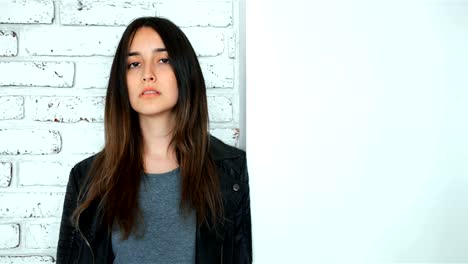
(169, 233)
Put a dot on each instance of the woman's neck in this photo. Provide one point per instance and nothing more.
(158, 154)
(157, 135)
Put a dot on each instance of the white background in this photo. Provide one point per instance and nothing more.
(357, 130)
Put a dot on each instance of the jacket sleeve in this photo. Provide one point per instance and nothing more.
(67, 231)
(243, 230)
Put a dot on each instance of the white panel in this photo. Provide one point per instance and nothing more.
(357, 132)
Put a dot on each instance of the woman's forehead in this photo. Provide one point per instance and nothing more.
(146, 38)
(146, 34)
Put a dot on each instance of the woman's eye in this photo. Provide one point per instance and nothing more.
(133, 65)
(165, 61)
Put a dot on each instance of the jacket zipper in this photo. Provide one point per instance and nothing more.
(85, 239)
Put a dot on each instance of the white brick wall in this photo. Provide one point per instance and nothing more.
(74, 12)
(42, 235)
(206, 41)
(34, 173)
(8, 43)
(92, 74)
(30, 204)
(68, 109)
(26, 259)
(71, 41)
(10, 236)
(216, 14)
(38, 73)
(5, 174)
(27, 11)
(220, 109)
(218, 74)
(84, 140)
(11, 107)
(29, 141)
(55, 59)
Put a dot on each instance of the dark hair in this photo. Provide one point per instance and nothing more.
(115, 175)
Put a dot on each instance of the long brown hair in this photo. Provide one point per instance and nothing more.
(114, 178)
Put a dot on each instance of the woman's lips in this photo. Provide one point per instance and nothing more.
(150, 92)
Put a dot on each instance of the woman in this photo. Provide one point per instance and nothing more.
(162, 190)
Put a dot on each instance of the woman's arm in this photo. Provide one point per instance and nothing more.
(243, 229)
(67, 231)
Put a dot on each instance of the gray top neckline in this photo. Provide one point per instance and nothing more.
(174, 171)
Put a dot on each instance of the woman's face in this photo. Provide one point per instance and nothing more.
(151, 82)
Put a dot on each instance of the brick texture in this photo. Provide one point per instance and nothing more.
(5, 174)
(26, 259)
(92, 74)
(232, 45)
(25, 141)
(10, 236)
(206, 41)
(220, 108)
(26, 11)
(8, 43)
(11, 107)
(51, 74)
(83, 141)
(42, 236)
(41, 173)
(31, 204)
(218, 74)
(74, 12)
(209, 13)
(68, 109)
(72, 41)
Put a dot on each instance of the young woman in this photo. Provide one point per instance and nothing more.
(162, 190)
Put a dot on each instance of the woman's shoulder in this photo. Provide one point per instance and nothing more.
(79, 172)
(220, 150)
(231, 160)
(86, 163)
(81, 169)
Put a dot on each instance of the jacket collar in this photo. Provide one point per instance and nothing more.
(221, 151)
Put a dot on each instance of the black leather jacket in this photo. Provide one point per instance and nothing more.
(231, 242)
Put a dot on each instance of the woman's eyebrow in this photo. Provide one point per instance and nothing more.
(136, 53)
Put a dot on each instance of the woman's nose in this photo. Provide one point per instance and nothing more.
(148, 78)
(149, 74)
